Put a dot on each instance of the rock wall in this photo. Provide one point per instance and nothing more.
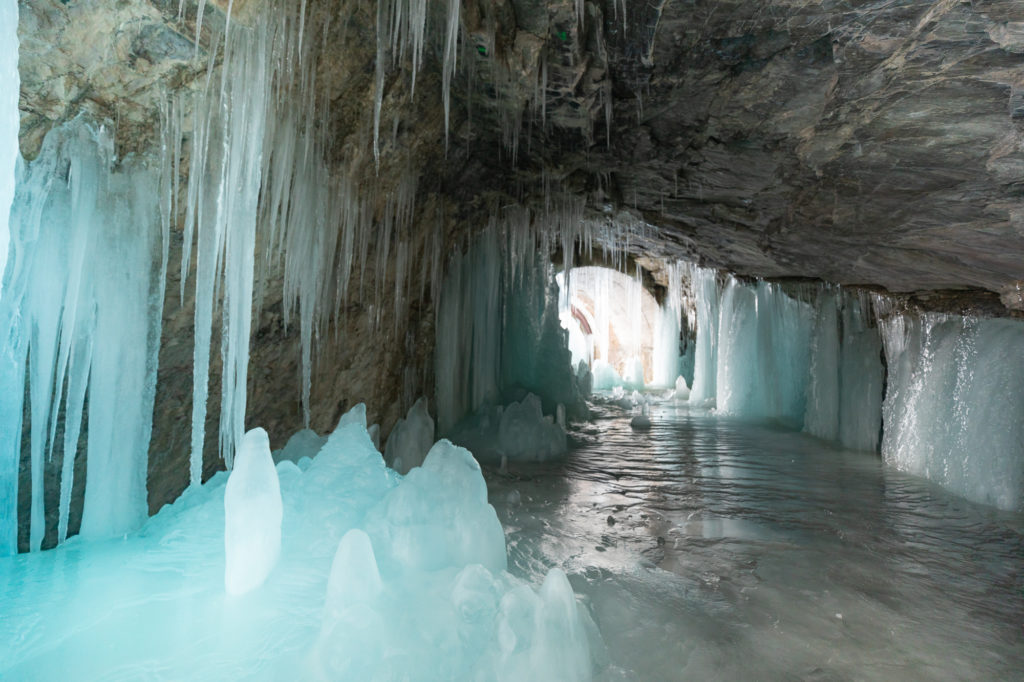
(879, 144)
(117, 62)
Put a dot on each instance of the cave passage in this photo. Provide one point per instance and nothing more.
(511, 341)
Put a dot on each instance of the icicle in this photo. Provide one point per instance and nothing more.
(378, 80)
(417, 29)
(77, 383)
(225, 211)
(544, 90)
(448, 68)
(199, 24)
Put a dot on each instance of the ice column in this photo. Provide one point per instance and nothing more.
(9, 89)
(760, 350)
(822, 418)
(706, 291)
(844, 391)
(666, 342)
(468, 350)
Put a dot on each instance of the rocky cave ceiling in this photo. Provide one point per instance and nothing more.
(873, 143)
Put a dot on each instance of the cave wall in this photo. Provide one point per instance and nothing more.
(880, 145)
(117, 63)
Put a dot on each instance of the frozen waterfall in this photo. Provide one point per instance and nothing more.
(812, 358)
(954, 404)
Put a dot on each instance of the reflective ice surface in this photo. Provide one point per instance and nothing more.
(715, 549)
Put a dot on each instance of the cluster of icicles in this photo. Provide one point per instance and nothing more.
(90, 235)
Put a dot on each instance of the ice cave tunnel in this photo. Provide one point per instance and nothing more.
(511, 340)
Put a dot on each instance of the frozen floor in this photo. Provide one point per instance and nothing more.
(704, 549)
(709, 549)
(380, 578)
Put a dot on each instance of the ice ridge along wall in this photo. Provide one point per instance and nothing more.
(953, 386)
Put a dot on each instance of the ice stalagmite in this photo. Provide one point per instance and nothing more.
(9, 88)
(252, 515)
(411, 439)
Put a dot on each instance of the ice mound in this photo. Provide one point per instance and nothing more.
(410, 439)
(640, 422)
(439, 516)
(605, 376)
(380, 577)
(304, 443)
(633, 374)
(519, 432)
(526, 434)
(252, 515)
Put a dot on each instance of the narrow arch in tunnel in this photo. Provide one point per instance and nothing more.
(621, 316)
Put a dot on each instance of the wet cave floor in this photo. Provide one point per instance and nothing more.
(710, 548)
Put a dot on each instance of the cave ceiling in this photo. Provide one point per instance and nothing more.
(869, 143)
